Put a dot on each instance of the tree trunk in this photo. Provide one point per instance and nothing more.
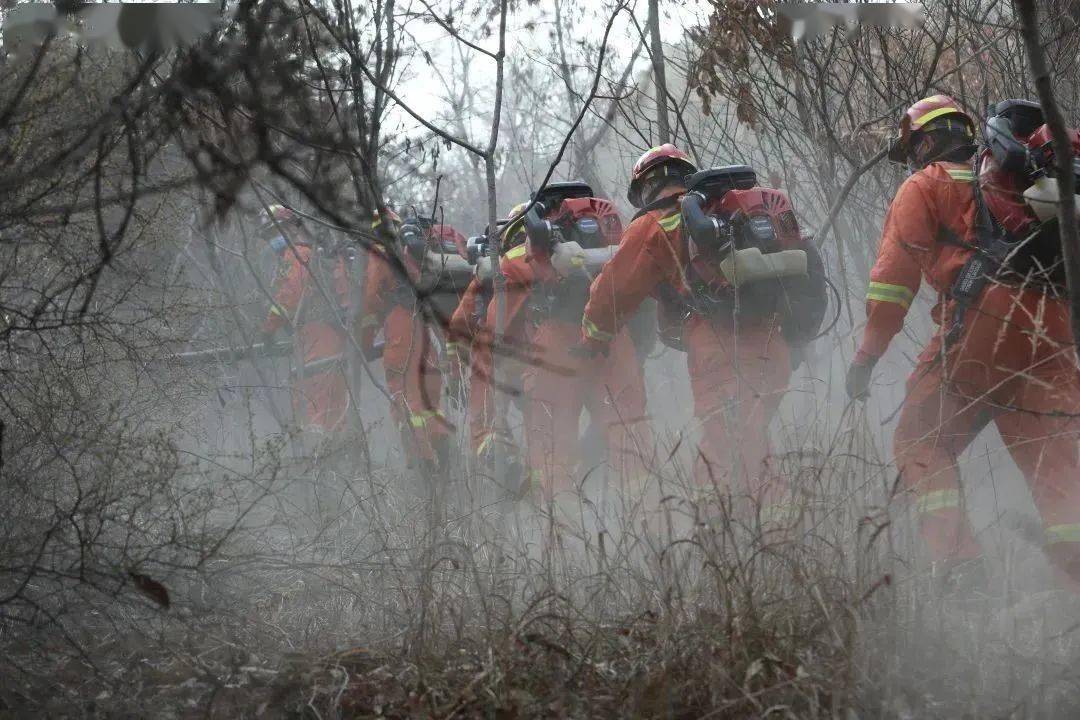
(498, 280)
(663, 125)
(1063, 158)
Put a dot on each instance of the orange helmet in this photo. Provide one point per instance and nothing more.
(377, 220)
(665, 161)
(912, 143)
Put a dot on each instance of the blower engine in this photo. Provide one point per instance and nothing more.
(574, 230)
(1016, 198)
(477, 249)
(747, 255)
(1018, 186)
(440, 252)
(577, 233)
(413, 236)
(438, 255)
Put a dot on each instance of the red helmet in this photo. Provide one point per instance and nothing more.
(937, 112)
(663, 161)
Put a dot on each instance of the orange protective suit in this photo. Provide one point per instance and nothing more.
(461, 330)
(409, 358)
(473, 325)
(559, 383)
(737, 375)
(1014, 364)
(321, 399)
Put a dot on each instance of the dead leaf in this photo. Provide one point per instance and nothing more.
(744, 108)
(150, 588)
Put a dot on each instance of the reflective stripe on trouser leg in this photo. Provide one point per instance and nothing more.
(420, 420)
(485, 443)
(935, 500)
(1065, 533)
(886, 292)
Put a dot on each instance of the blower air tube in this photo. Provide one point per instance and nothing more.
(484, 269)
(569, 257)
(444, 272)
(1011, 154)
(707, 231)
(412, 237)
(539, 230)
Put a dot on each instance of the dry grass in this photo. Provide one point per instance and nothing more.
(346, 602)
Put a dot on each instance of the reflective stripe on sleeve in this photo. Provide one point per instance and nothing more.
(595, 333)
(961, 175)
(884, 292)
(937, 500)
(1063, 533)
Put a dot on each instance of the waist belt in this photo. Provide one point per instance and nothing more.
(750, 302)
(563, 301)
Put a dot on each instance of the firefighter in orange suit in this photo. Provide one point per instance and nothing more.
(1003, 352)
(472, 331)
(443, 303)
(558, 382)
(737, 374)
(321, 398)
(410, 360)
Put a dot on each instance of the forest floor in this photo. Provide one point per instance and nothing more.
(504, 613)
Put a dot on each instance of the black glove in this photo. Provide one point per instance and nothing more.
(858, 378)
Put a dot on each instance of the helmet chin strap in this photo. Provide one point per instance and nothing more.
(938, 144)
(651, 190)
(656, 185)
(953, 153)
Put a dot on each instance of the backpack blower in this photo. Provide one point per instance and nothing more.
(577, 232)
(747, 256)
(1016, 196)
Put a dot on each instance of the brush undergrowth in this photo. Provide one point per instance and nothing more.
(340, 597)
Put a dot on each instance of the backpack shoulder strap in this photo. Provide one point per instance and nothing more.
(976, 272)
